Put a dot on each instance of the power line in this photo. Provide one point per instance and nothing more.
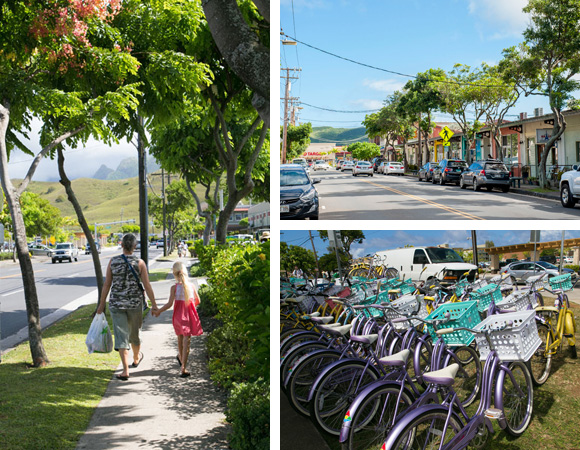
(339, 111)
(459, 83)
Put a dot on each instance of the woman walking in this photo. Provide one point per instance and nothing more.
(127, 280)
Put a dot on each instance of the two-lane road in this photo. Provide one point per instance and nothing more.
(390, 197)
(57, 285)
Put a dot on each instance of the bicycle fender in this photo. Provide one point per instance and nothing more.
(302, 358)
(332, 366)
(300, 333)
(570, 327)
(408, 418)
(360, 398)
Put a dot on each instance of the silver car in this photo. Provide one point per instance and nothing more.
(347, 165)
(520, 271)
(363, 168)
(39, 249)
(65, 251)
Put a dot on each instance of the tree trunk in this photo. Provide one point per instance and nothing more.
(64, 180)
(557, 131)
(405, 162)
(37, 351)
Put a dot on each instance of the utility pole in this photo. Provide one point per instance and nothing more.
(286, 100)
(143, 203)
(164, 212)
(474, 243)
(315, 258)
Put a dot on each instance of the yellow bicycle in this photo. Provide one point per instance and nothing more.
(554, 323)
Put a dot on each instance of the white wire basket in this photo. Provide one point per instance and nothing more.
(405, 305)
(518, 342)
(539, 285)
(518, 300)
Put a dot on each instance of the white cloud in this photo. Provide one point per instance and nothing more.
(384, 85)
(500, 18)
(367, 103)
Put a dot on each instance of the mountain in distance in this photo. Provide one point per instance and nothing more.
(127, 168)
(340, 136)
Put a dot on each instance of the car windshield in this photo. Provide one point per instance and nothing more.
(293, 178)
(547, 265)
(457, 164)
(364, 163)
(61, 246)
(395, 164)
(348, 163)
(443, 255)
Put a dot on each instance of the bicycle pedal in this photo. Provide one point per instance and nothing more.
(493, 413)
(568, 335)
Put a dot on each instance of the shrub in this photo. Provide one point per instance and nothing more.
(228, 350)
(5, 256)
(191, 250)
(249, 413)
(207, 305)
(196, 270)
(574, 267)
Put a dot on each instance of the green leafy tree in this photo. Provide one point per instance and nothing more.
(59, 64)
(489, 244)
(294, 255)
(297, 139)
(348, 237)
(130, 228)
(328, 263)
(40, 217)
(364, 151)
(548, 61)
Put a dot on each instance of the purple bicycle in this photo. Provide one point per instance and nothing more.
(505, 342)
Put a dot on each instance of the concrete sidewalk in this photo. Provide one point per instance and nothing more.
(155, 408)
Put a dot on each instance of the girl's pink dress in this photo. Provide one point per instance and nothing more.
(185, 320)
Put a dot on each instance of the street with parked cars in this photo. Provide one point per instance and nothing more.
(298, 196)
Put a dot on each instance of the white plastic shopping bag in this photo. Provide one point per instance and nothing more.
(99, 338)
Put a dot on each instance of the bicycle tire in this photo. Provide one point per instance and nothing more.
(421, 352)
(370, 423)
(424, 430)
(303, 375)
(335, 392)
(392, 273)
(295, 338)
(540, 363)
(288, 360)
(468, 379)
(517, 409)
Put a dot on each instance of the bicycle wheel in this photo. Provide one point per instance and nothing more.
(421, 352)
(303, 375)
(336, 391)
(517, 408)
(468, 379)
(426, 430)
(288, 360)
(392, 273)
(292, 339)
(373, 419)
(541, 361)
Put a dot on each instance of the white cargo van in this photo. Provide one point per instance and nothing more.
(422, 263)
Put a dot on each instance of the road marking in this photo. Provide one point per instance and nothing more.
(73, 275)
(19, 274)
(429, 202)
(13, 292)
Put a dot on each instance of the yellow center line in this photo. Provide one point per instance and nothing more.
(429, 202)
(19, 274)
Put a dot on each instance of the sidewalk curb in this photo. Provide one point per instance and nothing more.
(534, 194)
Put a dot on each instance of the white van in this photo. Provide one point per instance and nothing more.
(422, 263)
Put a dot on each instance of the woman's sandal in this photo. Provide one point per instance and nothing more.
(122, 377)
(184, 374)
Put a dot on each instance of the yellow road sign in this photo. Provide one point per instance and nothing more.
(446, 133)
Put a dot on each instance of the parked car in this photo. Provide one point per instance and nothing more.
(320, 165)
(363, 168)
(376, 162)
(396, 168)
(448, 171)
(347, 165)
(339, 164)
(426, 172)
(522, 270)
(65, 251)
(570, 187)
(298, 196)
(302, 162)
(487, 173)
(39, 250)
(549, 259)
(160, 243)
(88, 248)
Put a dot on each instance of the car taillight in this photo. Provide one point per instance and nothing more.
(482, 173)
(446, 169)
(430, 170)
(510, 174)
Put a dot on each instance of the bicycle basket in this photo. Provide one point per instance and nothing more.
(485, 295)
(460, 287)
(518, 300)
(561, 282)
(535, 281)
(517, 343)
(404, 306)
(462, 314)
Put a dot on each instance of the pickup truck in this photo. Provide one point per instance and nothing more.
(570, 187)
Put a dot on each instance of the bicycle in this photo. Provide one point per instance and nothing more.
(554, 324)
(447, 426)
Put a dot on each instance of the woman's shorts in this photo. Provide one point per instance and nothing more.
(126, 326)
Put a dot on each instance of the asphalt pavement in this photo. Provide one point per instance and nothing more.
(389, 197)
(155, 408)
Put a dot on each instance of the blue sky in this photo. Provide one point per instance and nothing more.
(408, 36)
(384, 240)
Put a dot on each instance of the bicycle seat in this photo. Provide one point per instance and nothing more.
(394, 291)
(398, 359)
(291, 300)
(323, 320)
(445, 376)
(365, 339)
(336, 331)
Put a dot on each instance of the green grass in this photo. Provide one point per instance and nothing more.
(50, 407)
(159, 274)
(556, 414)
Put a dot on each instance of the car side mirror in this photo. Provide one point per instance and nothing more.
(576, 167)
(316, 180)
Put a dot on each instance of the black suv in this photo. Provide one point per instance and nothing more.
(489, 173)
(298, 197)
(448, 171)
(376, 162)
